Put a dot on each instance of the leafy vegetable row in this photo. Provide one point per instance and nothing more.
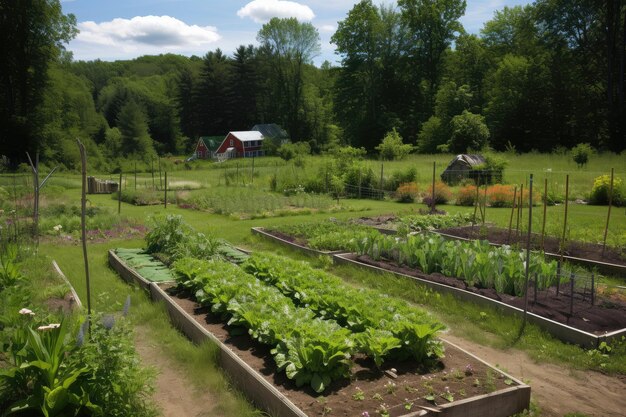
(476, 262)
(310, 350)
(386, 327)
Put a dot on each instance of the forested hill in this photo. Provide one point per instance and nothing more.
(546, 75)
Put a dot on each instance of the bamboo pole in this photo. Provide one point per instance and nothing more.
(119, 196)
(166, 190)
(530, 225)
(485, 204)
(508, 238)
(432, 209)
(83, 228)
(562, 245)
(520, 208)
(135, 175)
(608, 215)
(545, 212)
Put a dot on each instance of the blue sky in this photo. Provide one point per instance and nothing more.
(123, 29)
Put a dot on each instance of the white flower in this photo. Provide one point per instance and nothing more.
(57, 228)
(49, 327)
(26, 312)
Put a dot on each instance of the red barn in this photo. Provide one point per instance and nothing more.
(244, 144)
(206, 146)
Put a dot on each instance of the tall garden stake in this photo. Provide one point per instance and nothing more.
(508, 238)
(432, 207)
(119, 196)
(608, 216)
(527, 266)
(83, 229)
(562, 243)
(545, 211)
(166, 189)
(36, 190)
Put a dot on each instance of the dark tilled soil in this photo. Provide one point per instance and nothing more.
(408, 389)
(576, 249)
(605, 316)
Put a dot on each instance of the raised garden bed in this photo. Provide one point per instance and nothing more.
(589, 326)
(480, 391)
(295, 243)
(582, 253)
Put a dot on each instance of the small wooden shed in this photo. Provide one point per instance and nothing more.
(462, 167)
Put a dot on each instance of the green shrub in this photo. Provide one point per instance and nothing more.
(601, 188)
(400, 177)
(406, 193)
(581, 153)
(392, 147)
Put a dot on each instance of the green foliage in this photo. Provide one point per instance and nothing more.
(392, 147)
(10, 274)
(469, 131)
(135, 138)
(432, 136)
(581, 154)
(601, 190)
(289, 151)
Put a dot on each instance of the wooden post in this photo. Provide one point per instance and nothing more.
(83, 228)
(166, 190)
(359, 183)
(530, 224)
(608, 215)
(520, 208)
(545, 212)
(571, 300)
(562, 245)
(119, 196)
(135, 175)
(382, 193)
(508, 239)
(558, 277)
(432, 208)
(485, 204)
(160, 179)
(476, 201)
(34, 168)
(152, 171)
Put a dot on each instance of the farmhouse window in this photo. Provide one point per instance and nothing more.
(232, 142)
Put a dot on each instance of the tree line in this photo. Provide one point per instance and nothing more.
(541, 76)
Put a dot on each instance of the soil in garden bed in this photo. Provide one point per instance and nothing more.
(605, 316)
(386, 221)
(368, 389)
(584, 250)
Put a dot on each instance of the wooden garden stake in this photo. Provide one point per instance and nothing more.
(520, 207)
(135, 175)
(119, 196)
(152, 171)
(165, 189)
(571, 300)
(359, 183)
(484, 211)
(545, 211)
(508, 238)
(83, 228)
(381, 182)
(476, 201)
(530, 224)
(562, 245)
(160, 179)
(608, 215)
(432, 209)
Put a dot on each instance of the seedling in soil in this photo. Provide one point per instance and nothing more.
(383, 410)
(377, 397)
(476, 382)
(430, 398)
(508, 381)
(410, 389)
(469, 370)
(490, 383)
(359, 395)
(326, 411)
(447, 395)
(458, 374)
(462, 393)
(408, 404)
(390, 387)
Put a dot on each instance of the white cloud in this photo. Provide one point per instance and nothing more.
(163, 32)
(327, 28)
(261, 11)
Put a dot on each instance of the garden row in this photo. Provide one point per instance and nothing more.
(476, 262)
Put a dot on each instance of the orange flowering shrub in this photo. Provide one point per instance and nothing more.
(466, 196)
(500, 195)
(407, 192)
(442, 194)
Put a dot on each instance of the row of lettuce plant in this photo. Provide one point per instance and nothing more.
(420, 222)
(384, 327)
(476, 262)
(310, 350)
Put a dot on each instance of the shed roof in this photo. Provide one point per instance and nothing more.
(271, 130)
(247, 135)
(468, 160)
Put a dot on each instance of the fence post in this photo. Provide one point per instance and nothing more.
(83, 228)
(520, 209)
(608, 216)
(135, 175)
(530, 224)
(432, 208)
(359, 183)
(165, 189)
(558, 277)
(160, 178)
(119, 196)
(485, 204)
(508, 238)
(152, 171)
(562, 245)
(571, 300)
(545, 212)
(382, 193)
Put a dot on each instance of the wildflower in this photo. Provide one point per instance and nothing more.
(469, 370)
(126, 306)
(365, 414)
(50, 326)
(108, 322)
(26, 312)
(57, 228)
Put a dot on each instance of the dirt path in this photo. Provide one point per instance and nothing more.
(557, 390)
(174, 394)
